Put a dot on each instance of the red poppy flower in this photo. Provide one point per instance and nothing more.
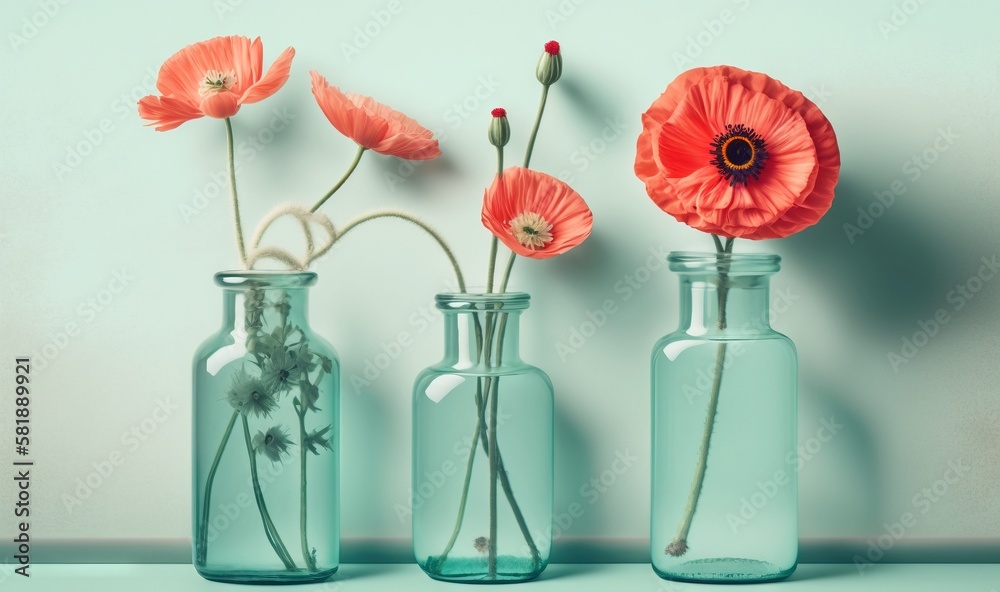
(373, 125)
(738, 154)
(213, 78)
(534, 214)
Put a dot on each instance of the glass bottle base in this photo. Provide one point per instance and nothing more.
(475, 570)
(237, 576)
(725, 570)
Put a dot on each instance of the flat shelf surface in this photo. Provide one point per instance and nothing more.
(622, 577)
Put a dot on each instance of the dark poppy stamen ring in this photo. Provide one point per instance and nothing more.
(740, 154)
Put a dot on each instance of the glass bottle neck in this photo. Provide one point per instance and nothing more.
(481, 339)
(248, 309)
(734, 305)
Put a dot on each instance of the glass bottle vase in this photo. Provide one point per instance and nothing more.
(482, 449)
(724, 389)
(266, 437)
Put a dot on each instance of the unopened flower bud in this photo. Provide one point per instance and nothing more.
(499, 131)
(549, 67)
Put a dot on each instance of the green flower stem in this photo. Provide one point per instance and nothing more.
(269, 530)
(495, 242)
(340, 183)
(538, 122)
(413, 220)
(468, 481)
(680, 544)
(493, 484)
(310, 561)
(240, 244)
(202, 544)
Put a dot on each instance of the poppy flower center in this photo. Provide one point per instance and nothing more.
(740, 154)
(255, 396)
(531, 230)
(268, 439)
(216, 82)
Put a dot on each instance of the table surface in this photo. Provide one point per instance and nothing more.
(557, 578)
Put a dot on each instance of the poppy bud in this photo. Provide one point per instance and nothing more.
(499, 131)
(549, 67)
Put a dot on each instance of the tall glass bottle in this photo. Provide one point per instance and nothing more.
(265, 448)
(482, 449)
(724, 390)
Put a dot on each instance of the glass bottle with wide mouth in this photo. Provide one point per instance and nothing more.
(265, 429)
(482, 449)
(724, 392)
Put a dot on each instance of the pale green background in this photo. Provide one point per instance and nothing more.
(888, 92)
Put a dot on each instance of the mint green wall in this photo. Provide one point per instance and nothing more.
(121, 244)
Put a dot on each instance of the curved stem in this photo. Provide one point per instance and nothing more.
(340, 183)
(493, 483)
(679, 545)
(202, 544)
(538, 122)
(414, 220)
(466, 484)
(240, 245)
(269, 530)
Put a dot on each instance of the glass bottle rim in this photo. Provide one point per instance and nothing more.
(474, 301)
(239, 280)
(692, 262)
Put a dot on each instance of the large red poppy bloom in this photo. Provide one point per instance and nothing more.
(534, 214)
(373, 125)
(738, 154)
(213, 78)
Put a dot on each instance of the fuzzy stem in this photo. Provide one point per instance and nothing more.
(354, 165)
(202, 545)
(679, 545)
(240, 245)
(414, 220)
(269, 530)
(538, 122)
(306, 555)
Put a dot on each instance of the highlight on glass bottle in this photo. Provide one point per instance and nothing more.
(482, 449)
(724, 391)
(265, 437)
